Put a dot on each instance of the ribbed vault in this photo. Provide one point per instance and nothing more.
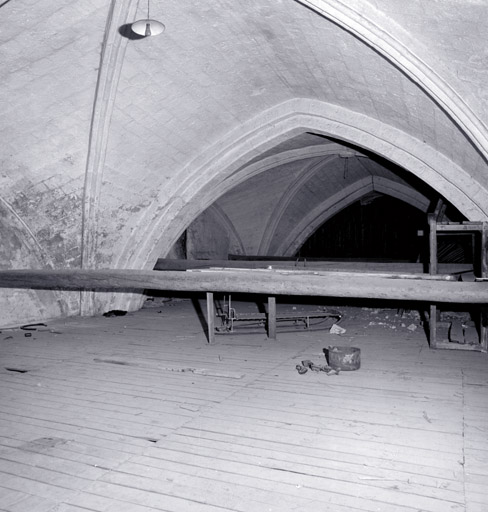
(113, 146)
(211, 180)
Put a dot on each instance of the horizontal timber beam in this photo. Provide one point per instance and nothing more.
(414, 287)
(303, 263)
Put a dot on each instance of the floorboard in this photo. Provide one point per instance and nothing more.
(139, 413)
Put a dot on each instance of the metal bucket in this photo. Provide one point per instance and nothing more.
(344, 358)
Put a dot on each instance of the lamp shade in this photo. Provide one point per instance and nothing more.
(147, 27)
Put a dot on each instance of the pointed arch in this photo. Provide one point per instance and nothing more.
(337, 202)
(208, 176)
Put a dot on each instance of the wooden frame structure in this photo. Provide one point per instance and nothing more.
(436, 226)
(269, 318)
(424, 288)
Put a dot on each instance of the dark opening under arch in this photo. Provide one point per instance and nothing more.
(376, 227)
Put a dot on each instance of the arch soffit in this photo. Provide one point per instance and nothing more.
(286, 157)
(211, 174)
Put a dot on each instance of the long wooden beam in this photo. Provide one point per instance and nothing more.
(270, 282)
(343, 265)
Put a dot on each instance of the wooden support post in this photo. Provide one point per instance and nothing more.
(440, 210)
(433, 326)
(432, 271)
(484, 274)
(231, 314)
(272, 318)
(210, 317)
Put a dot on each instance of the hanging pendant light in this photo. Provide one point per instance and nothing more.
(148, 27)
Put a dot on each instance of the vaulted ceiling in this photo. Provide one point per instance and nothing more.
(113, 145)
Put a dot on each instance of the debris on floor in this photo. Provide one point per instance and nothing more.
(16, 370)
(337, 329)
(463, 333)
(190, 407)
(391, 318)
(114, 361)
(207, 372)
(180, 369)
(309, 365)
(32, 327)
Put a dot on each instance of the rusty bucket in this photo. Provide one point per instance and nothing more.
(344, 358)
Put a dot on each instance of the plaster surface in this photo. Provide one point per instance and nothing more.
(113, 146)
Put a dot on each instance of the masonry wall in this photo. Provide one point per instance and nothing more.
(113, 146)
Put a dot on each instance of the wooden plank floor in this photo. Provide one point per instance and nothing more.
(138, 414)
